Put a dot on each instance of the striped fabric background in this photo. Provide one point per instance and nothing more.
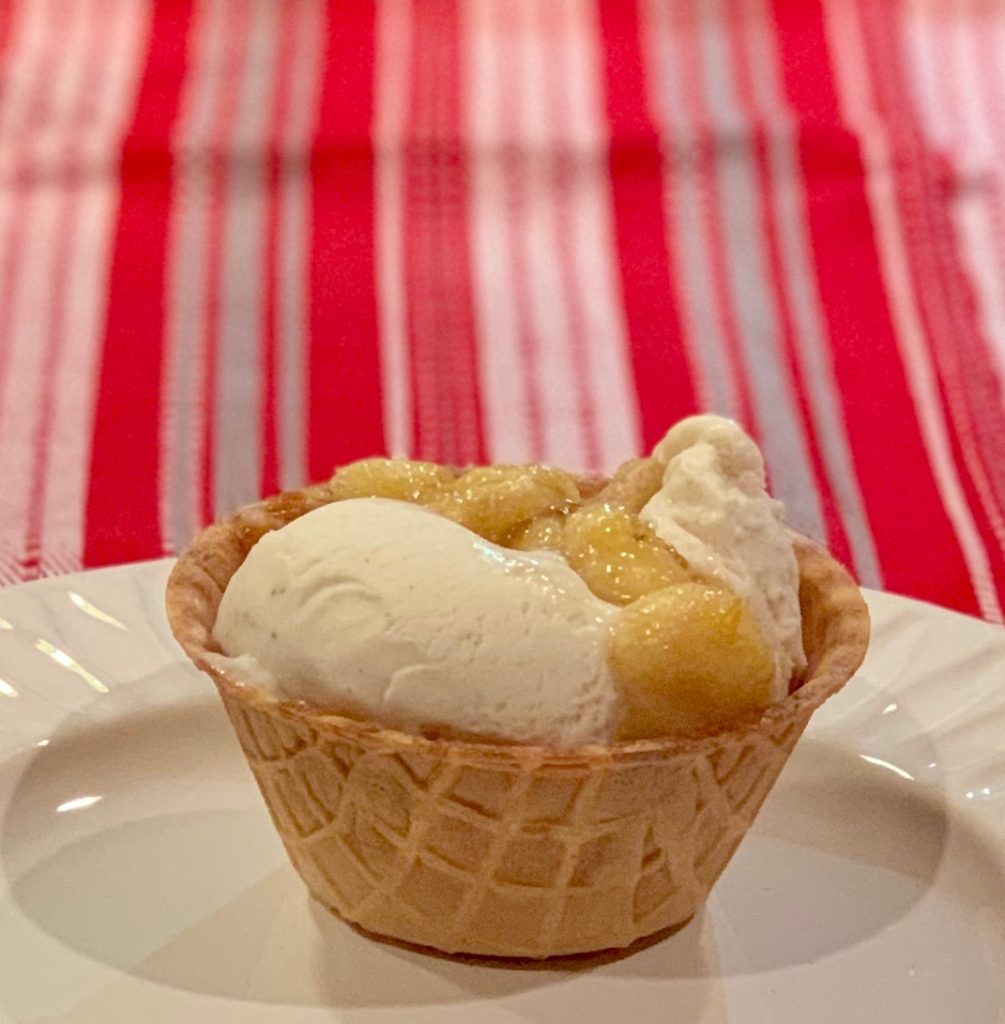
(242, 241)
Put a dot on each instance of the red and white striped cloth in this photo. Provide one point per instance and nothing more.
(242, 241)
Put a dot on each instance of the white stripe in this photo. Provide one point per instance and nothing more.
(852, 76)
(927, 86)
(976, 150)
(563, 442)
(182, 413)
(124, 29)
(29, 308)
(809, 321)
(683, 203)
(594, 249)
(503, 374)
(391, 113)
(294, 198)
(237, 402)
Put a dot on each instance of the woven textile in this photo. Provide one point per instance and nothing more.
(242, 241)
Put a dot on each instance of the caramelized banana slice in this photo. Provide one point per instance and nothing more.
(545, 533)
(688, 658)
(402, 479)
(494, 500)
(633, 484)
(618, 555)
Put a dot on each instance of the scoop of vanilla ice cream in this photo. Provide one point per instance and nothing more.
(714, 509)
(387, 611)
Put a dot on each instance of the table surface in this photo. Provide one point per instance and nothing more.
(243, 241)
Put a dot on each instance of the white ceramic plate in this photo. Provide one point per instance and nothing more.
(140, 879)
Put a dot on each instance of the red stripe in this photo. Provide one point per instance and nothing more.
(123, 512)
(345, 418)
(286, 31)
(946, 301)
(84, 116)
(882, 424)
(663, 377)
(430, 414)
(437, 249)
(6, 17)
(737, 28)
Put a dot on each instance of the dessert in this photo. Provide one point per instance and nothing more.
(511, 711)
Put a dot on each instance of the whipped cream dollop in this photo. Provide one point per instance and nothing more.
(714, 509)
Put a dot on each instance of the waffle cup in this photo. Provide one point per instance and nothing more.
(506, 850)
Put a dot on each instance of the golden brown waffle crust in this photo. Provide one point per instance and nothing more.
(506, 849)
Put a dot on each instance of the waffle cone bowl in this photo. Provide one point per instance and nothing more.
(497, 849)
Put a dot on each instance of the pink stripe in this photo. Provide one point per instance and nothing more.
(548, 300)
(29, 59)
(238, 32)
(702, 135)
(510, 88)
(75, 374)
(391, 82)
(432, 416)
(437, 260)
(54, 339)
(542, 152)
(30, 67)
(565, 177)
(393, 33)
(611, 397)
(26, 305)
(183, 449)
(285, 52)
(503, 385)
(293, 367)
